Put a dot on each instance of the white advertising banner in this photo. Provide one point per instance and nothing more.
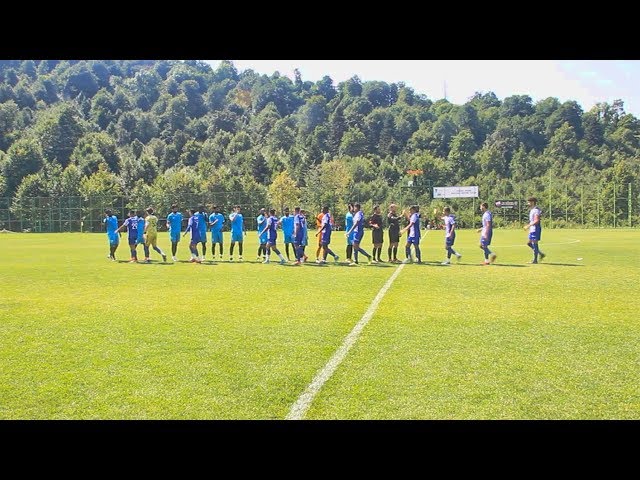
(455, 192)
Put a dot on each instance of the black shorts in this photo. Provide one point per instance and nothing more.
(394, 235)
(378, 235)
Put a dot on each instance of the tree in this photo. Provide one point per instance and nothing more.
(23, 158)
(328, 184)
(59, 131)
(283, 191)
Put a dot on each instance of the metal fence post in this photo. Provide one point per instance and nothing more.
(614, 204)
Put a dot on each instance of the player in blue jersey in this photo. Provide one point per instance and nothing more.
(486, 233)
(202, 225)
(348, 223)
(174, 227)
(140, 215)
(299, 231)
(413, 235)
(286, 221)
(111, 224)
(237, 231)
(270, 229)
(305, 233)
(449, 235)
(216, 220)
(261, 221)
(535, 229)
(193, 227)
(131, 224)
(358, 229)
(325, 235)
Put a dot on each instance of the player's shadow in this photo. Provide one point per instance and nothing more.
(562, 264)
(501, 265)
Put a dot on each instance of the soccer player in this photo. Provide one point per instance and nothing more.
(140, 240)
(413, 237)
(174, 226)
(151, 232)
(299, 229)
(305, 234)
(377, 233)
(237, 224)
(261, 220)
(535, 229)
(348, 223)
(202, 224)
(325, 235)
(486, 232)
(216, 220)
(393, 220)
(131, 224)
(272, 234)
(286, 221)
(358, 228)
(111, 223)
(194, 227)
(319, 218)
(450, 235)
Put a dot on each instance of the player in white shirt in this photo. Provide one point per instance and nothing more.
(450, 235)
(486, 232)
(535, 229)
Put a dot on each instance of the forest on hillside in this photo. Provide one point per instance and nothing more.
(155, 131)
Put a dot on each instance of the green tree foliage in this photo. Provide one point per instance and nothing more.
(283, 192)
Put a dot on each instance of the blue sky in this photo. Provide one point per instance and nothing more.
(586, 81)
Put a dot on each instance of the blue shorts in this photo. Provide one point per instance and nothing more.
(449, 241)
(288, 238)
(487, 242)
(203, 237)
(262, 239)
(357, 238)
(350, 238)
(298, 240)
(216, 237)
(133, 241)
(140, 240)
(272, 241)
(535, 235)
(195, 239)
(236, 237)
(175, 237)
(114, 239)
(413, 240)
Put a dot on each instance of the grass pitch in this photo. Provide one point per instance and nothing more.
(85, 338)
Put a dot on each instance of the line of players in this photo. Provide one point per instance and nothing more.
(144, 230)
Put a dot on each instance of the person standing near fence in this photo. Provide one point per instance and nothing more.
(174, 226)
(348, 223)
(377, 233)
(131, 224)
(286, 221)
(151, 236)
(450, 235)
(358, 229)
(535, 229)
(111, 223)
(393, 220)
(216, 220)
(486, 233)
(202, 225)
(237, 234)
(413, 234)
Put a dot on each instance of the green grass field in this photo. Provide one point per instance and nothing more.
(86, 338)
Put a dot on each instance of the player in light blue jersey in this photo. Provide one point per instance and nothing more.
(216, 220)
(174, 227)
(286, 221)
(271, 231)
(193, 227)
(450, 235)
(358, 229)
(202, 224)
(348, 223)
(535, 229)
(325, 232)
(413, 235)
(237, 231)
(111, 223)
(131, 224)
(140, 215)
(261, 221)
(486, 233)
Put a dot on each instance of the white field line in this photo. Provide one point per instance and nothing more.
(299, 409)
